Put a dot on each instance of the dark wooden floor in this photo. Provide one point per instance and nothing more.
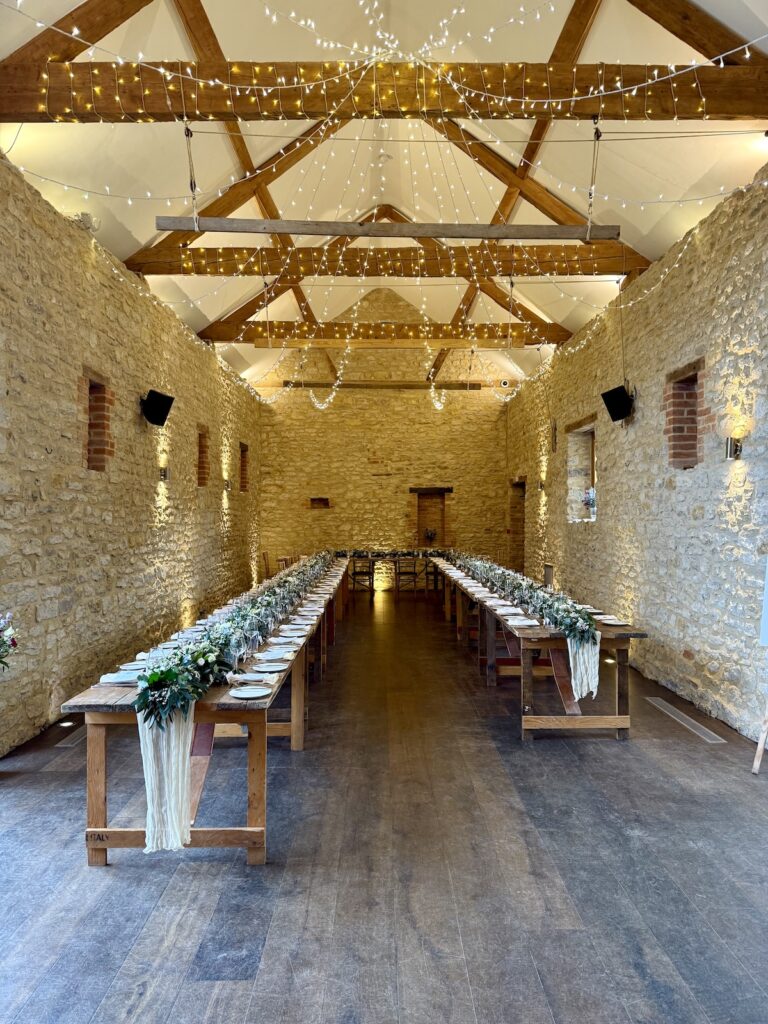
(423, 867)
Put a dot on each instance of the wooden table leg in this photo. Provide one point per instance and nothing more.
(96, 776)
(526, 690)
(338, 607)
(324, 642)
(330, 622)
(490, 648)
(319, 666)
(447, 598)
(461, 616)
(297, 702)
(622, 688)
(257, 785)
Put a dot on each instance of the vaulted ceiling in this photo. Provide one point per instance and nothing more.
(654, 178)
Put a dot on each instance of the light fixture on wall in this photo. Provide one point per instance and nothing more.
(227, 485)
(733, 447)
(165, 473)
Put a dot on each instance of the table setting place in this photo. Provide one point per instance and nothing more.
(257, 670)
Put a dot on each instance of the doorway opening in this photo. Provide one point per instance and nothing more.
(517, 526)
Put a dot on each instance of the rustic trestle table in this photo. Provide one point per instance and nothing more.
(540, 637)
(108, 706)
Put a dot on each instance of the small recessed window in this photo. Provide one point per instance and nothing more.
(683, 411)
(582, 475)
(243, 467)
(99, 445)
(319, 502)
(203, 458)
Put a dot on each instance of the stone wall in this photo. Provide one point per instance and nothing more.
(365, 452)
(681, 552)
(97, 564)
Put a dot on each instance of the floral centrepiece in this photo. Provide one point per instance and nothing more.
(537, 600)
(177, 679)
(8, 642)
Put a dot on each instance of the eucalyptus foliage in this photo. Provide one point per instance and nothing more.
(553, 608)
(183, 676)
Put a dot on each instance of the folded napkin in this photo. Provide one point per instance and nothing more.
(129, 678)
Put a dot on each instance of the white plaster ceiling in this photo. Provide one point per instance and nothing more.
(403, 163)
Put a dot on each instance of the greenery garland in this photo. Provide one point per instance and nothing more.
(553, 608)
(183, 676)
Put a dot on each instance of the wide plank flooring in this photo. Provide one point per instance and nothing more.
(424, 867)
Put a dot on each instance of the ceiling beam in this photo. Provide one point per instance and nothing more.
(489, 287)
(493, 161)
(384, 335)
(241, 191)
(379, 229)
(93, 20)
(381, 385)
(101, 91)
(569, 45)
(254, 305)
(699, 30)
(407, 262)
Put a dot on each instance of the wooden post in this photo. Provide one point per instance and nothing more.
(297, 701)
(317, 640)
(447, 598)
(526, 689)
(490, 648)
(338, 606)
(96, 782)
(257, 784)
(622, 688)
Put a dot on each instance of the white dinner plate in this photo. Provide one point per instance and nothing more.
(251, 692)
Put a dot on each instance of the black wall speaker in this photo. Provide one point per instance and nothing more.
(618, 402)
(155, 407)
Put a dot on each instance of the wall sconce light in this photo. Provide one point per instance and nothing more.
(542, 485)
(733, 448)
(227, 485)
(165, 473)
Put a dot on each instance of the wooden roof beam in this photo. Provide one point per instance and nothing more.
(241, 191)
(128, 93)
(475, 261)
(569, 45)
(700, 30)
(384, 335)
(93, 20)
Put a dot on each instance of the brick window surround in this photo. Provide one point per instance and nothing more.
(203, 457)
(243, 467)
(688, 420)
(98, 400)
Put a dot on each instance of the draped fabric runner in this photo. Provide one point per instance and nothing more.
(165, 756)
(585, 667)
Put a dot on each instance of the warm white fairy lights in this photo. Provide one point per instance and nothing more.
(388, 47)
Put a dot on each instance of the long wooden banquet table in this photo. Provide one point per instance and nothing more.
(533, 639)
(107, 706)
